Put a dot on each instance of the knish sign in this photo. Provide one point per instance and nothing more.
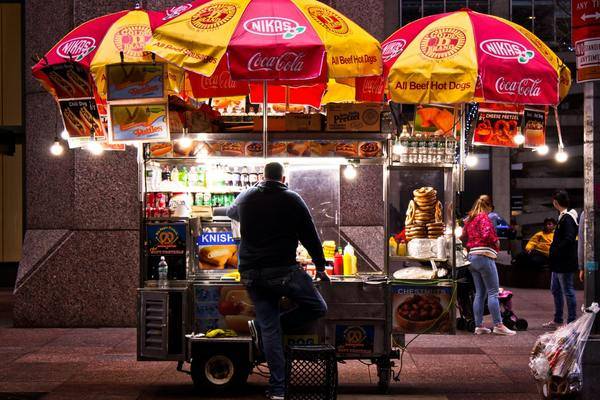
(77, 48)
(274, 26)
(507, 50)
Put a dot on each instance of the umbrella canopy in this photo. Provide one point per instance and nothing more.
(284, 41)
(466, 56)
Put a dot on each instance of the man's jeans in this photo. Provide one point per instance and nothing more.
(562, 284)
(266, 290)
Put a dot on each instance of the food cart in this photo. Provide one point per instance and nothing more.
(367, 316)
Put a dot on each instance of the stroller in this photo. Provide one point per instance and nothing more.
(465, 296)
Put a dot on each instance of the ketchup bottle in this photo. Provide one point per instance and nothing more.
(338, 264)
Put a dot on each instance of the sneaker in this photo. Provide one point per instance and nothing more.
(276, 397)
(503, 330)
(482, 330)
(552, 324)
(254, 332)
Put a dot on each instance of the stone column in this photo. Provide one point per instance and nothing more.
(591, 166)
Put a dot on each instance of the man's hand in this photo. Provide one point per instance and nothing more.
(581, 275)
(322, 276)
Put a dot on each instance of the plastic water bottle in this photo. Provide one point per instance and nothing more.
(163, 272)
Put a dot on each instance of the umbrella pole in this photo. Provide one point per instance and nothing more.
(265, 120)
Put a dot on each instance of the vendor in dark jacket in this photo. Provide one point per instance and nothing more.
(563, 260)
(272, 221)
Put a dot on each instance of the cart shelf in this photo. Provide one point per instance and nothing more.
(420, 165)
(408, 258)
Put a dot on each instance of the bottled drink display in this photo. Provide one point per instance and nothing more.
(425, 149)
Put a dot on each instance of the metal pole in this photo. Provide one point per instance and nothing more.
(265, 119)
(462, 145)
(591, 172)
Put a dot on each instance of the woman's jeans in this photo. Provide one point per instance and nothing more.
(562, 283)
(485, 278)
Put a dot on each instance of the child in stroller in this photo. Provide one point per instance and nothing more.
(465, 296)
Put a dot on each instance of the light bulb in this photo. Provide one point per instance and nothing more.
(185, 141)
(543, 150)
(350, 172)
(471, 160)
(397, 148)
(56, 149)
(95, 148)
(519, 139)
(561, 155)
(64, 134)
(458, 231)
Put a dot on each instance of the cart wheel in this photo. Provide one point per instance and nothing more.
(384, 372)
(509, 323)
(219, 371)
(461, 324)
(470, 325)
(521, 324)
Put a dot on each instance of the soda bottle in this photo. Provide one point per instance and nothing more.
(193, 177)
(183, 176)
(163, 273)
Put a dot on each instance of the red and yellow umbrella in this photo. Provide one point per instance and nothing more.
(285, 42)
(466, 56)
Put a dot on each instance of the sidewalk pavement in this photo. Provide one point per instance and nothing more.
(101, 364)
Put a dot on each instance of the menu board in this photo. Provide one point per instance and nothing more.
(302, 148)
(138, 122)
(422, 309)
(167, 240)
(534, 127)
(69, 80)
(216, 249)
(497, 127)
(81, 119)
(435, 119)
(135, 81)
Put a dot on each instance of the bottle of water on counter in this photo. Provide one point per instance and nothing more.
(163, 273)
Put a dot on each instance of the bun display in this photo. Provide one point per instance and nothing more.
(277, 148)
(322, 149)
(254, 149)
(74, 123)
(346, 149)
(232, 149)
(298, 149)
(160, 149)
(216, 257)
(293, 108)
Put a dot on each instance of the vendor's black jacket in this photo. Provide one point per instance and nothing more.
(272, 221)
(563, 250)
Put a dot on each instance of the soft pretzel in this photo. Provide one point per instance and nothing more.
(410, 213)
(438, 212)
(425, 191)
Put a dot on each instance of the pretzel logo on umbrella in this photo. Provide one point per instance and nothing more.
(329, 20)
(213, 16)
(443, 42)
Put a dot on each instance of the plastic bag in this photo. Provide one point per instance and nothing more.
(555, 360)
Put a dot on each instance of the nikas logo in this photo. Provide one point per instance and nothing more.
(392, 49)
(274, 26)
(506, 49)
(77, 48)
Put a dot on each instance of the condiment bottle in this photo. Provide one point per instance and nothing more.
(402, 248)
(338, 264)
(393, 246)
(349, 260)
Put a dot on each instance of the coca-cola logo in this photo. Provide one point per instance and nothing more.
(526, 87)
(287, 62)
(76, 48)
(176, 11)
(392, 49)
(507, 50)
(274, 26)
(218, 81)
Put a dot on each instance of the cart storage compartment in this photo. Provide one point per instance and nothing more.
(161, 327)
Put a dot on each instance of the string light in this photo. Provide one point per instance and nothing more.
(561, 155)
(64, 134)
(542, 150)
(471, 160)
(350, 172)
(185, 140)
(519, 139)
(56, 149)
(397, 148)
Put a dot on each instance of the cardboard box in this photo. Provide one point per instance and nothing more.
(291, 122)
(354, 117)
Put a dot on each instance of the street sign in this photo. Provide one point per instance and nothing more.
(585, 22)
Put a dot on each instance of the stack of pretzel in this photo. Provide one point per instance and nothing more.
(424, 215)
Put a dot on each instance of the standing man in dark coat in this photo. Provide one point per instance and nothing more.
(273, 219)
(563, 260)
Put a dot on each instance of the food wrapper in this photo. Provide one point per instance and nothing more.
(555, 360)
